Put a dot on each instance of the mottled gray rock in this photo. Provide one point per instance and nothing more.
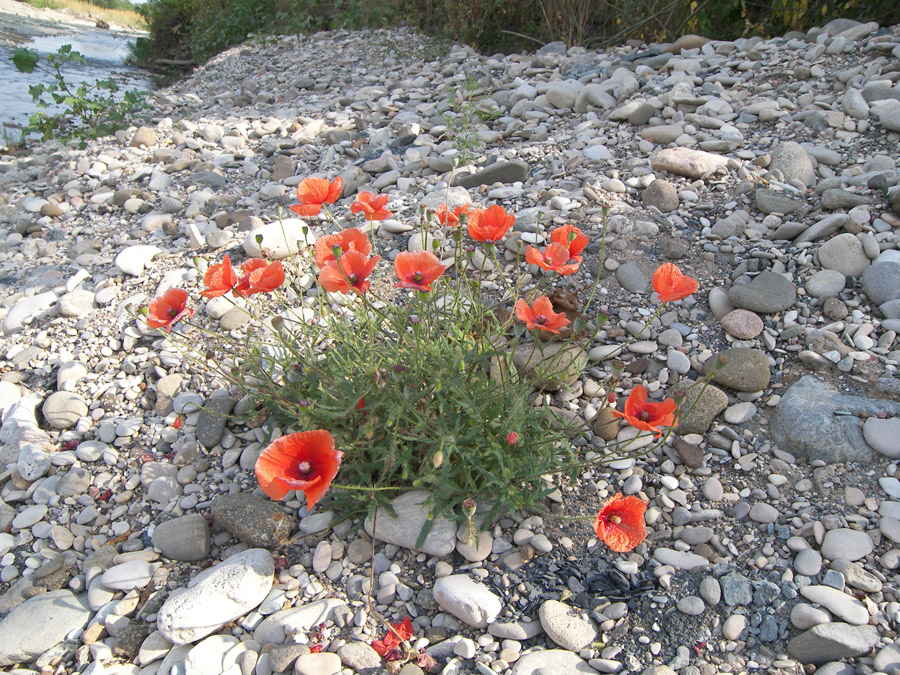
(836, 198)
(550, 367)
(846, 544)
(212, 418)
(805, 423)
(412, 513)
(792, 161)
(466, 599)
(701, 405)
(276, 627)
(185, 538)
(825, 284)
(775, 201)
(687, 162)
(62, 409)
(832, 642)
(40, 623)
(881, 282)
(845, 254)
(565, 627)
(661, 194)
(767, 293)
(253, 520)
(632, 278)
(740, 368)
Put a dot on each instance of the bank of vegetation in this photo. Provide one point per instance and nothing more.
(199, 29)
(117, 12)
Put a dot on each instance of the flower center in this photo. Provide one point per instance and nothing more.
(304, 468)
(644, 415)
(418, 276)
(172, 311)
(353, 278)
(615, 520)
(541, 319)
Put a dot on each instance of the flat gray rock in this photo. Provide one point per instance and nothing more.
(553, 661)
(702, 403)
(212, 418)
(687, 162)
(805, 423)
(791, 160)
(767, 293)
(467, 600)
(253, 520)
(40, 623)
(515, 171)
(185, 538)
(412, 513)
(881, 282)
(740, 368)
(832, 642)
(565, 627)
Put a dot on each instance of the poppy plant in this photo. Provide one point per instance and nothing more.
(450, 218)
(350, 273)
(371, 205)
(259, 277)
(620, 522)
(554, 258)
(305, 461)
(540, 315)
(389, 647)
(219, 279)
(670, 284)
(647, 416)
(490, 224)
(417, 270)
(312, 193)
(351, 239)
(168, 309)
(572, 238)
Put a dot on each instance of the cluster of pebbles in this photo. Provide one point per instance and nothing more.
(764, 168)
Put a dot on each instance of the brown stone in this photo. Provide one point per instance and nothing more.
(742, 324)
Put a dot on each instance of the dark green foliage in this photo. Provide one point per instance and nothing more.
(90, 110)
(202, 29)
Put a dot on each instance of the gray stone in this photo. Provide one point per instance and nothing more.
(792, 161)
(280, 239)
(832, 642)
(412, 514)
(846, 544)
(515, 171)
(276, 627)
(881, 282)
(210, 178)
(661, 194)
(466, 599)
(184, 538)
(631, 278)
(40, 623)
(774, 201)
(825, 284)
(740, 368)
(358, 656)
(767, 293)
(702, 403)
(838, 603)
(551, 661)
(77, 303)
(63, 409)
(212, 418)
(836, 198)
(883, 435)
(823, 228)
(805, 423)
(282, 657)
(254, 521)
(687, 162)
(887, 659)
(550, 367)
(736, 589)
(565, 627)
(216, 596)
(763, 513)
(691, 605)
(845, 254)
(808, 562)
(129, 575)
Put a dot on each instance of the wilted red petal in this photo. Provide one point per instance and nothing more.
(305, 461)
(670, 284)
(417, 270)
(620, 522)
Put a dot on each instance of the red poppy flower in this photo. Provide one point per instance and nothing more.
(647, 416)
(371, 206)
(670, 284)
(490, 224)
(219, 279)
(361, 403)
(168, 309)
(351, 239)
(554, 258)
(259, 277)
(541, 315)
(512, 438)
(389, 647)
(572, 238)
(313, 192)
(620, 522)
(350, 276)
(305, 461)
(450, 218)
(417, 270)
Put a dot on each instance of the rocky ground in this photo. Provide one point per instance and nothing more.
(764, 168)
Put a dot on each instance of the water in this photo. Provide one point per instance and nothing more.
(104, 52)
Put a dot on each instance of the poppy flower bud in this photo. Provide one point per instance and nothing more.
(512, 438)
(437, 459)
(469, 507)
(617, 367)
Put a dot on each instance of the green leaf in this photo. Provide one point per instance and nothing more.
(25, 60)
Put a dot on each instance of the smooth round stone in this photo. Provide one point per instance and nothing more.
(90, 451)
(808, 562)
(678, 361)
(691, 605)
(733, 627)
(763, 513)
(63, 409)
(129, 575)
(846, 544)
(742, 324)
(739, 413)
(29, 516)
(804, 616)
(826, 284)
(883, 435)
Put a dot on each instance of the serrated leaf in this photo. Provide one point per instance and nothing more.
(25, 60)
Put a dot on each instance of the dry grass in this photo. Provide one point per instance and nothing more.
(121, 17)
